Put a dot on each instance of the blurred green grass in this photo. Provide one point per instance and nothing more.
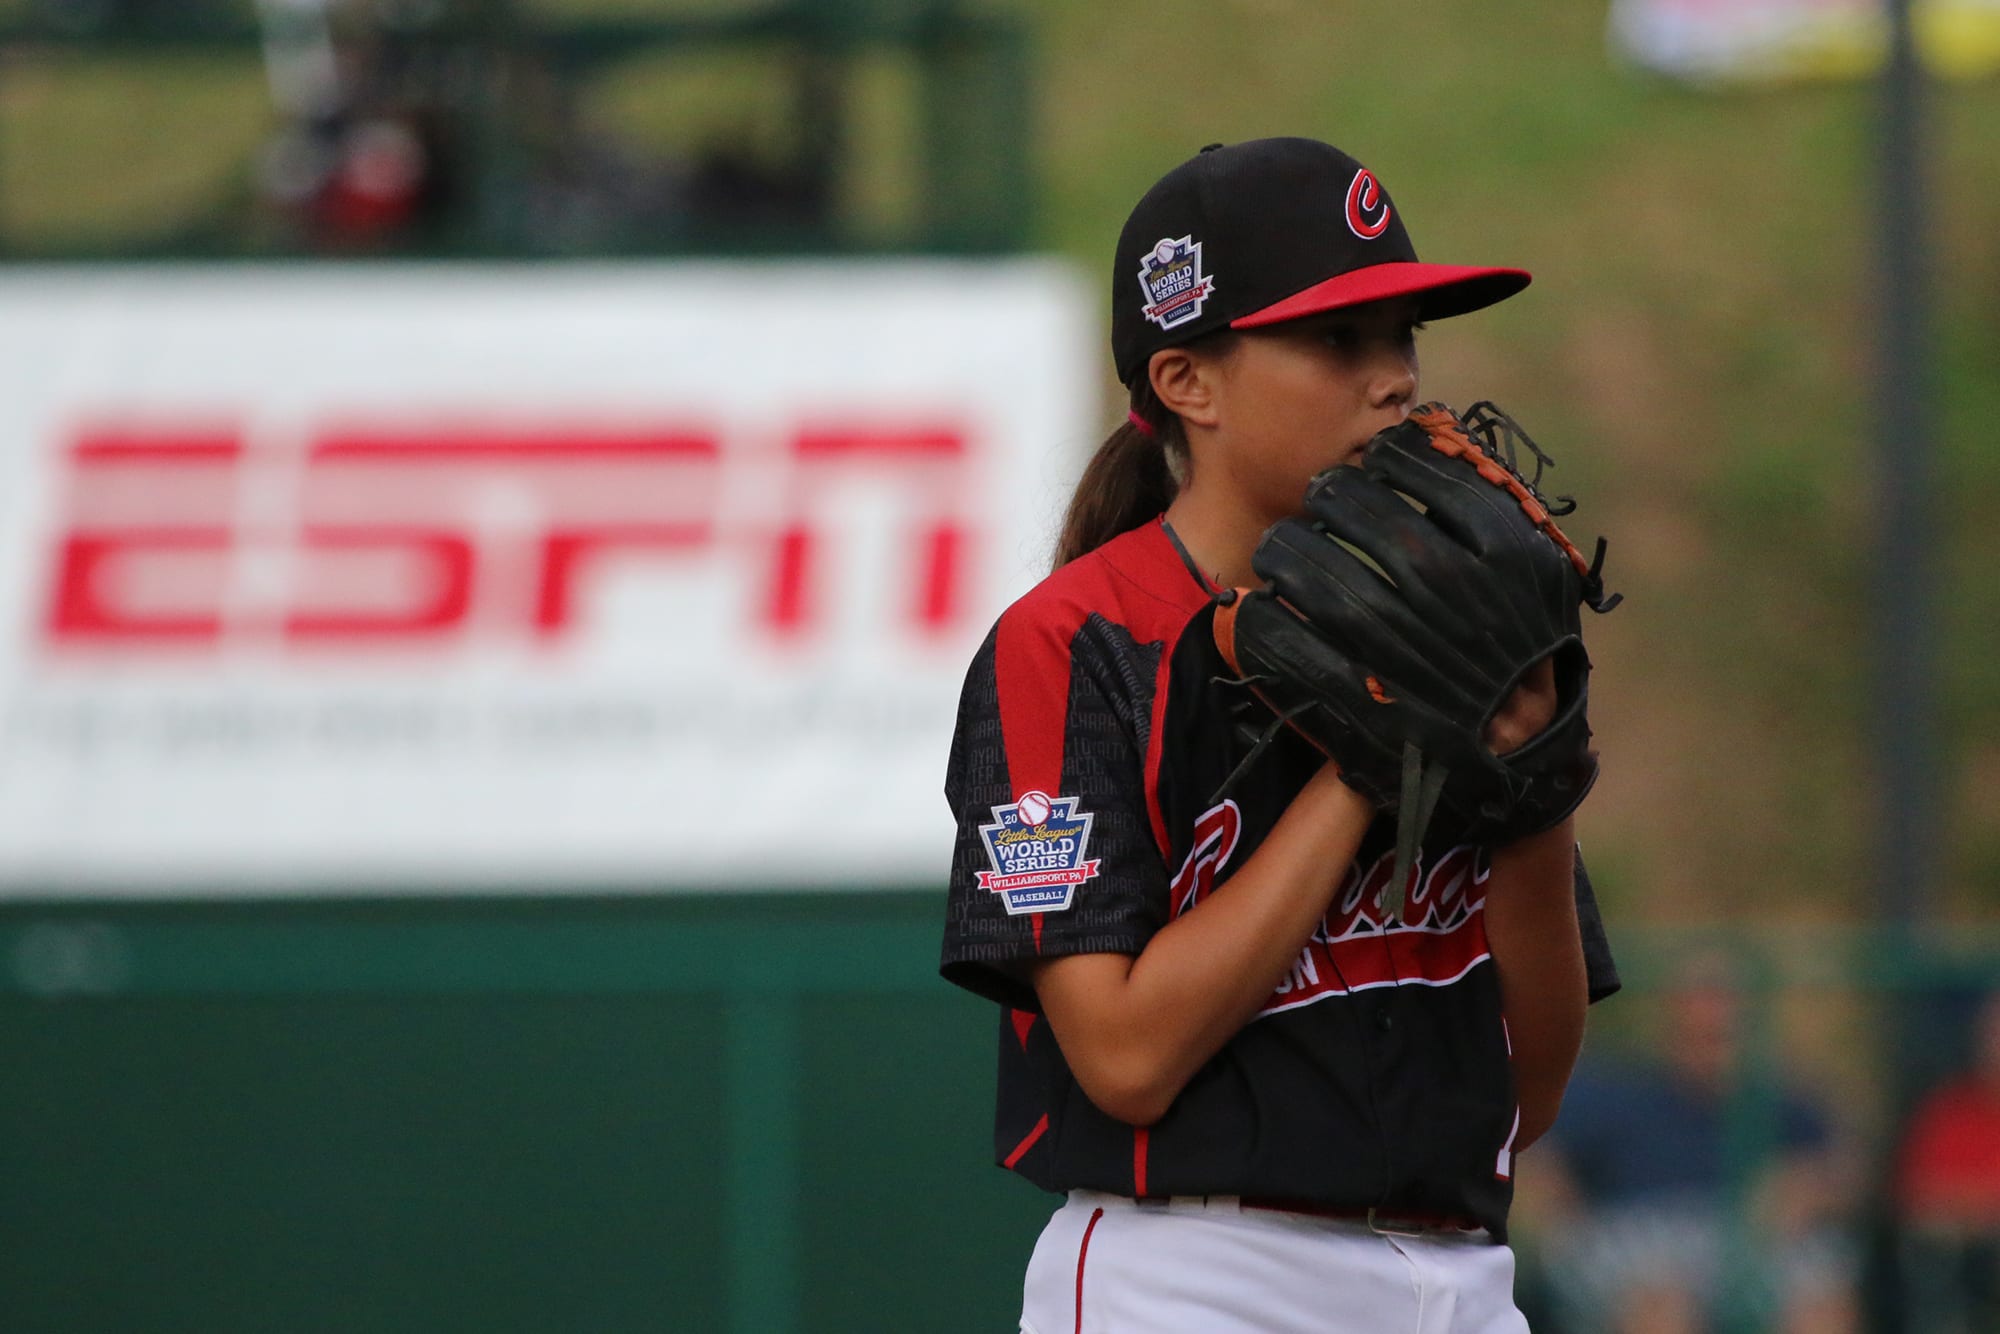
(1696, 349)
(107, 150)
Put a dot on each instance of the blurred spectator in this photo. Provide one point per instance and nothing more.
(360, 185)
(371, 147)
(1948, 1195)
(1661, 1213)
(414, 125)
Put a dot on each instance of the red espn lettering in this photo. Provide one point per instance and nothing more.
(933, 459)
(161, 502)
(399, 536)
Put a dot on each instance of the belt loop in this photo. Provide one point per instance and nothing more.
(1380, 1227)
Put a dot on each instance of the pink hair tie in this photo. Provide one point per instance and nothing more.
(1145, 427)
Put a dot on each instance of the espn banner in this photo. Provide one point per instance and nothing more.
(389, 579)
(1760, 41)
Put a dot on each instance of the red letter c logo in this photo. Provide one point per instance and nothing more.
(1363, 197)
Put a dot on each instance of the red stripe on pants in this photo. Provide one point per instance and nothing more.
(1081, 1252)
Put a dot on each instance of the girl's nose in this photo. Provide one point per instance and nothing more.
(1396, 383)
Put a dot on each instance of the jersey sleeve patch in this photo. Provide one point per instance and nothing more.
(1038, 848)
(1053, 854)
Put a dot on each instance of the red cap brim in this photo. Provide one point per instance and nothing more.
(1442, 290)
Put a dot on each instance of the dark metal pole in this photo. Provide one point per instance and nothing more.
(1904, 711)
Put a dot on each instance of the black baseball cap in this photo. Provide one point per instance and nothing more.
(1256, 233)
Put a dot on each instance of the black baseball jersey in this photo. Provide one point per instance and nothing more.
(1096, 732)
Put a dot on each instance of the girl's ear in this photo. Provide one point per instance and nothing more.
(1185, 383)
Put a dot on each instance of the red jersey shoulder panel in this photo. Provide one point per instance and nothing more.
(1137, 580)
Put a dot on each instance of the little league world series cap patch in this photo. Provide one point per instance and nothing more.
(1037, 849)
(1252, 234)
(1173, 282)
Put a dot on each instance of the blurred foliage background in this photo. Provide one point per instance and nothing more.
(1695, 351)
(1698, 351)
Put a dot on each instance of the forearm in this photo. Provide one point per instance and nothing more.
(1531, 928)
(1135, 1030)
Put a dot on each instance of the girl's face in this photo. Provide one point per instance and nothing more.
(1297, 398)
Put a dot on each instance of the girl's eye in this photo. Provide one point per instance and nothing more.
(1347, 336)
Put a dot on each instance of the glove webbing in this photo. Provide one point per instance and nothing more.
(1447, 436)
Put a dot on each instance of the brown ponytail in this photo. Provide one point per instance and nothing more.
(1133, 477)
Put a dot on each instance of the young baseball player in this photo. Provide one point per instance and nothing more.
(1281, 1085)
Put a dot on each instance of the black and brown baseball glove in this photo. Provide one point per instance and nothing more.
(1406, 604)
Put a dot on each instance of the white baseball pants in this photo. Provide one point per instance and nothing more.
(1203, 1265)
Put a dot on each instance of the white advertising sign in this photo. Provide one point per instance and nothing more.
(542, 579)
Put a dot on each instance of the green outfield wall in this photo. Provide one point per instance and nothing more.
(741, 1114)
(730, 1114)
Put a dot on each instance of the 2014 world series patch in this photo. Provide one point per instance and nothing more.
(1037, 847)
(1175, 287)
